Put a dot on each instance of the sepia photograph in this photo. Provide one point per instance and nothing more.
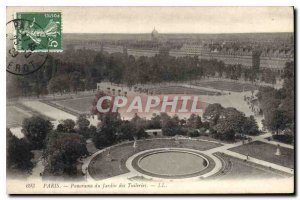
(150, 100)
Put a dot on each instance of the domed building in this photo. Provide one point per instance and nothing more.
(154, 35)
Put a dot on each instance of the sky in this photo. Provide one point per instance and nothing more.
(169, 19)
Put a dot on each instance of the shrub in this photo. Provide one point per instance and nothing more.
(36, 130)
(193, 133)
(202, 131)
(288, 139)
(101, 140)
(18, 153)
(62, 152)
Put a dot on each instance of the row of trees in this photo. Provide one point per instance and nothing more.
(278, 105)
(222, 123)
(75, 70)
(112, 129)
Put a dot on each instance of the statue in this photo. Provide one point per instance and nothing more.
(278, 152)
(108, 156)
(134, 144)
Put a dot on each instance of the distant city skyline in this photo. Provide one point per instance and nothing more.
(211, 20)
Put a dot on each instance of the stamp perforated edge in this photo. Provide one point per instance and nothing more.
(44, 50)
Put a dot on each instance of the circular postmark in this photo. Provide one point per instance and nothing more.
(25, 53)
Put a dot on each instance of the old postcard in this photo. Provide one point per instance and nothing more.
(150, 100)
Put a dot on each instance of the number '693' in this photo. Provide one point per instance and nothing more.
(30, 185)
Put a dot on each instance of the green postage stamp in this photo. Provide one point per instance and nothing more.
(39, 31)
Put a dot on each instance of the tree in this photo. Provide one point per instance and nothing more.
(279, 121)
(194, 122)
(101, 140)
(230, 123)
(115, 67)
(68, 126)
(289, 77)
(62, 152)
(193, 133)
(268, 103)
(278, 105)
(74, 81)
(139, 126)
(92, 131)
(35, 130)
(171, 127)
(250, 126)
(154, 122)
(82, 122)
(288, 103)
(83, 126)
(109, 127)
(18, 153)
(127, 130)
(212, 113)
(58, 84)
(37, 89)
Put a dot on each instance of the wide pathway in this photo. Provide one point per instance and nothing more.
(48, 111)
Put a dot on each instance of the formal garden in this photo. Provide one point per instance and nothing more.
(197, 147)
(101, 166)
(226, 142)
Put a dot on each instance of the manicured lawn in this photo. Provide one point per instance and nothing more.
(101, 167)
(182, 90)
(79, 105)
(210, 138)
(234, 168)
(266, 152)
(228, 86)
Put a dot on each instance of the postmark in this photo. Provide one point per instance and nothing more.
(22, 57)
(47, 36)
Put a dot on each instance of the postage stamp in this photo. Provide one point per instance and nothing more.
(47, 36)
